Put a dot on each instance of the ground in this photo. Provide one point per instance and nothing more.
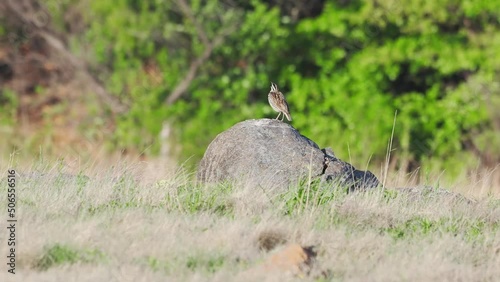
(147, 221)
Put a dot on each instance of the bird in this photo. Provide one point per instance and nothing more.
(278, 102)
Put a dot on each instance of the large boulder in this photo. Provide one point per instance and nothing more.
(272, 154)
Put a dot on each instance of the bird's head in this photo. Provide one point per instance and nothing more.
(274, 87)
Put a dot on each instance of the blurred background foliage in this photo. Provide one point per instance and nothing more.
(347, 69)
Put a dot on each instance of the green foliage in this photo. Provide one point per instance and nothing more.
(62, 254)
(309, 196)
(207, 263)
(200, 198)
(415, 226)
(345, 73)
(199, 262)
(8, 107)
(392, 57)
(178, 197)
(471, 230)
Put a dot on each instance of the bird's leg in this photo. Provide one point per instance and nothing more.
(279, 113)
(283, 117)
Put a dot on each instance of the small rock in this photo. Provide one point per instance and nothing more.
(293, 259)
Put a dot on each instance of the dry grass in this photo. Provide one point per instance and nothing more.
(150, 222)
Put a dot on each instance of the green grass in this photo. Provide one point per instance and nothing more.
(162, 225)
(199, 262)
(60, 254)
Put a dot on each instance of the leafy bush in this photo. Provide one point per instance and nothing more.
(345, 73)
(8, 107)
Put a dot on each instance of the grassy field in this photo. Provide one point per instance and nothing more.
(146, 221)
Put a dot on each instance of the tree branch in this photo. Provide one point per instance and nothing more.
(210, 45)
(186, 10)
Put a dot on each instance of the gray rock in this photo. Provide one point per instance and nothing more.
(344, 174)
(272, 154)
